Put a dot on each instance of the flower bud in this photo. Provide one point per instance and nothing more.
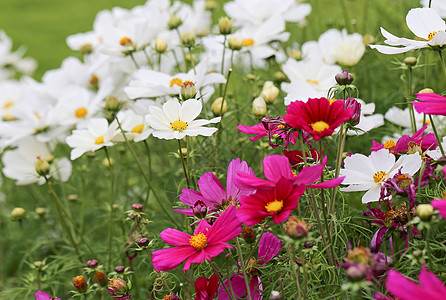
(225, 25)
(171, 297)
(18, 213)
(137, 207)
(112, 103)
(118, 286)
(368, 39)
(356, 272)
(92, 263)
(188, 39)
(308, 245)
(404, 180)
(424, 211)
(279, 77)
(296, 228)
(100, 278)
(275, 295)
(259, 107)
(73, 197)
(410, 61)
(80, 284)
(200, 209)
(270, 92)
(249, 235)
(106, 162)
(160, 45)
(183, 151)
(344, 78)
(42, 167)
(296, 54)
(188, 90)
(143, 242)
(219, 107)
(426, 90)
(211, 4)
(120, 269)
(174, 22)
(234, 43)
(86, 49)
(356, 106)
(40, 211)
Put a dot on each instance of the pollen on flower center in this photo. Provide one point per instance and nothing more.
(431, 35)
(390, 144)
(8, 104)
(319, 126)
(178, 125)
(379, 176)
(125, 41)
(176, 81)
(138, 128)
(80, 112)
(198, 241)
(248, 42)
(99, 140)
(312, 81)
(274, 206)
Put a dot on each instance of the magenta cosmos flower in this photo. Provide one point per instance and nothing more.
(212, 193)
(269, 246)
(206, 242)
(318, 116)
(430, 287)
(39, 295)
(440, 205)
(205, 289)
(432, 104)
(277, 202)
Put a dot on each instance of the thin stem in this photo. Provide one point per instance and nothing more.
(345, 13)
(409, 103)
(436, 135)
(221, 281)
(25, 241)
(428, 248)
(111, 203)
(192, 61)
(223, 61)
(134, 60)
(184, 163)
(242, 262)
(149, 159)
(342, 134)
(159, 62)
(290, 250)
(440, 53)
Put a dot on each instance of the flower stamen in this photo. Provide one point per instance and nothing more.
(81, 112)
(176, 81)
(198, 241)
(379, 176)
(178, 125)
(274, 206)
(319, 126)
(431, 35)
(99, 140)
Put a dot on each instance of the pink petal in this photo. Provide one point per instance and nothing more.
(189, 197)
(402, 287)
(39, 295)
(440, 205)
(211, 188)
(310, 174)
(245, 180)
(328, 184)
(269, 246)
(431, 283)
(203, 227)
(276, 167)
(232, 190)
(168, 259)
(227, 226)
(175, 237)
(186, 211)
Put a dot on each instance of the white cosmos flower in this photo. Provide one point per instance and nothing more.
(97, 134)
(340, 47)
(20, 164)
(425, 23)
(133, 125)
(401, 118)
(176, 120)
(368, 120)
(368, 173)
(438, 5)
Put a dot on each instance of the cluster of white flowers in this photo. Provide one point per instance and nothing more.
(12, 63)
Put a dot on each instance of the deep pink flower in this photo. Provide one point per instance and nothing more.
(430, 287)
(295, 156)
(440, 205)
(431, 104)
(269, 246)
(39, 295)
(212, 193)
(277, 202)
(258, 129)
(206, 242)
(318, 116)
(206, 289)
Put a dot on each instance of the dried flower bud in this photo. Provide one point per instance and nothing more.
(92, 263)
(259, 107)
(80, 284)
(42, 167)
(120, 269)
(356, 106)
(160, 45)
(344, 78)
(404, 180)
(100, 278)
(18, 213)
(174, 22)
(235, 43)
(296, 228)
(225, 25)
(425, 211)
(426, 90)
(188, 39)
(249, 235)
(219, 107)
(143, 242)
(188, 90)
(410, 61)
(112, 103)
(171, 297)
(137, 207)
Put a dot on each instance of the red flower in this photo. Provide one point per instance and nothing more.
(318, 116)
(206, 289)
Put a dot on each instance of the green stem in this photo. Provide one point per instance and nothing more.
(428, 247)
(221, 281)
(342, 135)
(111, 203)
(436, 135)
(346, 17)
(25, 241)
(149, 159)
(440, 53)
(242, 262)
(290, 250)
(183, 163)
(409, 103)
(134, 60)
(223, 61)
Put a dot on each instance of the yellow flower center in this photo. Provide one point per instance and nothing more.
(332, 100)
(178, 125)
(125, 41)
(138, 128)
(390, 144)
(8, 104)
(99, 140)
(428, 122)
(198, 241)
(319, 126)
(431, 35)
(274, 206)
(248, 42)
(379, 176)
(176, 81)
(312, 81)
(80, 112)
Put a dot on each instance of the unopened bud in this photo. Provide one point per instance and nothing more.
(296, 228)
(368, 39)
(308, 245)
(356, 272)
(296, 54)
(80, 284)
(188, 39)
(160, 45)
(118, 286)
(137, 207)
(219, 107)
(174, 22)
(92, 263)
(49, 158)
(424, 211)
(279, 77)
(100, 278)
(188, 90)
(426, 90)
(344, 78)
(249, 235)
(40, 211)
(356, 106)
(275, 295)
(211, 4)
(108, 162)
(225, 25)
(270, 92)
(410, 61)
(86, 49)
(259, 107)
(42, 167)
(120, 269)
(183, 151)
(143, 242)
(18, 213)
(234, 43)
(200, 209)
(73, 197)
(112, 103)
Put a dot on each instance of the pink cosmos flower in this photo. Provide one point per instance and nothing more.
(206, 242)
(430, 287)
(258, 129)
(277, 202)
(39, 295)
(318, 116)
(432, 104)
(269, 246)
(206, 289)
(440, 205)
(212, 193)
